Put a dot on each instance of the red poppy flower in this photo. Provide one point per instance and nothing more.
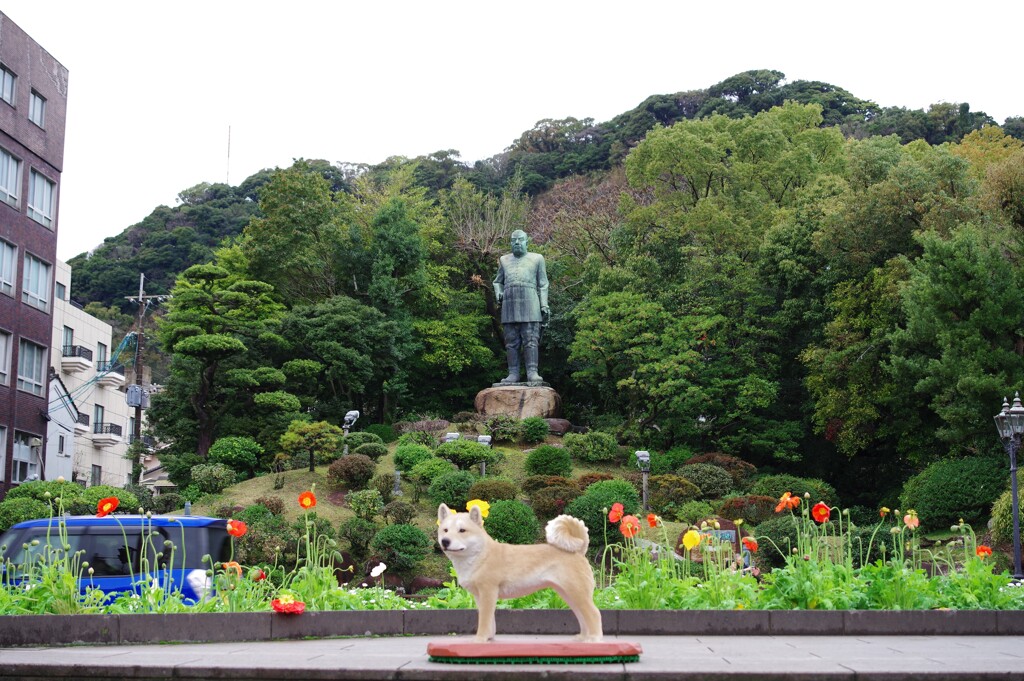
(236, 528)
(630, 526)
(750, 543)
(257, 575)
(287, 605)
(307, 500)
(983, 551)
(787, 500)
(821, 512)
(106, 506)
(652, 520)
(615, 515)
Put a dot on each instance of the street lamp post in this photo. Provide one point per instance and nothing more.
(1010, 425)
(643, 461)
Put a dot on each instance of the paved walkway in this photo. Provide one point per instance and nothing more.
(764, 658)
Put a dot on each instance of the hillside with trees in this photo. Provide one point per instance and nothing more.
(782, 272)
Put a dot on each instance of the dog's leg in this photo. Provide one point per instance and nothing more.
(580, 599)
(486, 603)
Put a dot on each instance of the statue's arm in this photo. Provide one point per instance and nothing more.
(542, 285)
(499, 283)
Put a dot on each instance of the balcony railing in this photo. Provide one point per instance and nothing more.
(147, 440)
(75, 358)
(82, 425)
(104, 434)
(111, 367)
(110, 374)
(77, 351)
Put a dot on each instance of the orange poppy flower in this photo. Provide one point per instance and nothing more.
(787, 500)
(983, 551)
(750, 543)
(652, 520)
(287, 605)
(307, 500)
(236, 528)
(106, 506)
(821, 512)
(911, 520)
(630, 526)
(233, 566)
(615, 515)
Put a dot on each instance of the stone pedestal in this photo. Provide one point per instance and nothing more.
(520, 401)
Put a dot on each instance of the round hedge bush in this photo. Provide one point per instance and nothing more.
(536, 482)
(213, 478)
(382, 430)
(666, 493)
(593, 505)
(714, 482)
(418, 437)
(465, 453)
(241, 454)
(15, 510)
(360, 438)
(61, 494)
(776, 485)
(510, 521)
(451, 489)
(692, 512)
(171, 501)
(504, 428)
(548, 502)
(492, 489)
(549, 460)
(951, 489)
(427, 470)
(776, 538)
(591, 447)
(374, 450)
(752, 508)
(401, 547)
(87, 503)
(353, 471)
(534, 430)
(740, 470)
(664, 462)
(1002, 516)
(588, 479)
(274, 504)
(409, 454)
(399, 512)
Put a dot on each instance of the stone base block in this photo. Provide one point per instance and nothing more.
(519, 401)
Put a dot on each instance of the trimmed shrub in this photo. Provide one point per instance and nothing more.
(250, 515)
(212, 478)
(951, 489)
(425, 425)
(360, 438)
(401, 547)
(534, 430)
(428, 470)
(740, 470)
(512, 522)
(410, 454)
(692, 512)
(302, 437)
(168, 502)
(714, 482)
(385, 484)
(588, 479)
(591, 447)
(86, 504)
(753, 508)
(358, 532)
(504, 428)
(15, 510)
(492, 489)
(274, 504)
(365, 503)
(465, 453)
(385, 432)
(592, 506)
(374, 450)
(776, 538)
(452, 489)
(538, 482)
(662, 463)
(1002, 516)
(62, 494)
(353, 471)
(549, 460)
(399, 512)
(776, 485)
(143, 494)
(549, 502)
(418, 437)
(241, 454)
(665, 493)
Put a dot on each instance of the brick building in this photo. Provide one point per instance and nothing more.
(33, 105)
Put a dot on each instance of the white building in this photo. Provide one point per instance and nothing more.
(86, 359)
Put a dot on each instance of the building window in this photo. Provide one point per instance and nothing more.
(7, 80)
(60, 445)
(7, 255)
(3, 447)
(31, 368)
(101, 355)
(26, 459)
(5, 363)
(60, 292)
(40, 198)
(97, 417)
(67, 341)
(96, 476)
(37, 109)
(10, 178)
(35, 284)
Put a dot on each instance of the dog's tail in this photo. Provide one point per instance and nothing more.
(568, 534)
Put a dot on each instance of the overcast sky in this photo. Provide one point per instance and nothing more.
(154, 86)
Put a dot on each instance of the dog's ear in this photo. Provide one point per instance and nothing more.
(475, 516)
(443, 512)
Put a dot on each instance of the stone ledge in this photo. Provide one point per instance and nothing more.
(34, 630)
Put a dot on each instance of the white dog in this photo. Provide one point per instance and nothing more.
(491, 570)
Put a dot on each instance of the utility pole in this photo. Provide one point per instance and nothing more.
(143, 300)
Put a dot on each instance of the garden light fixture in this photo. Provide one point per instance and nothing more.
(643, 461)
(1010, 425)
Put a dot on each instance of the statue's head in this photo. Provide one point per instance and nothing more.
(519, 242)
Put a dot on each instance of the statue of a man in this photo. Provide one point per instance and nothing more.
(521, 289)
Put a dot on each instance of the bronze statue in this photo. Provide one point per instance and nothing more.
(521, 289)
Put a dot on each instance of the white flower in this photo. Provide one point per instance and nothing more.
(379, 570)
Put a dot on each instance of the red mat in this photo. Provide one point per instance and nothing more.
(537, 650)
